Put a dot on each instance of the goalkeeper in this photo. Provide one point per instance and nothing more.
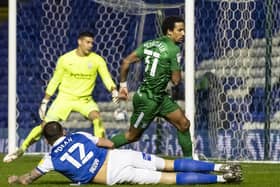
(162, 64)
(74, 77)
(84, 158)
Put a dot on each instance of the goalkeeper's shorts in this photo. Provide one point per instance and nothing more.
(62, 106)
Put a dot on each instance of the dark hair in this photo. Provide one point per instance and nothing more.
(52, 131)
(169, 23)
(85, 34)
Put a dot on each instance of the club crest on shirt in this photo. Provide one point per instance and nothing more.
(89, 65)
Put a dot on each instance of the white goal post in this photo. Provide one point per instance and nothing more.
(231, 67)
(12, 61)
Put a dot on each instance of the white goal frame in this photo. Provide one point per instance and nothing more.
(189, 75)
(12, 75)
(12, 61)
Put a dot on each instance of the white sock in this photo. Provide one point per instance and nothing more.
(220, 178)
(217, 167)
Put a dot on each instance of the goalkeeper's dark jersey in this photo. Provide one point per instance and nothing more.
(161, 57)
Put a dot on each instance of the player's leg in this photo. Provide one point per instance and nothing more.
(196, 172)
(89, 108)
(132, 135)
(59, 110)
(153, 162)
(33, 136)
(173, 114)
(204, 178)
(128, 166)
(144, 111)
(138, 167)
(189, 165)
(98, 126)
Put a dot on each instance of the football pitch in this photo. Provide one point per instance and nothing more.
(255, 175)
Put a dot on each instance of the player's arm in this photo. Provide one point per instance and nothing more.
(131, 58)
(56, 79)
(105, 75)
(176, 77)
(25, 178)
(103, 142)
(175, 67)
(51, 88)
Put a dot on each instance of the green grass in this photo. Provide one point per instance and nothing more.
(255, 175)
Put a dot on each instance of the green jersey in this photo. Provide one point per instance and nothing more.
(161, 57)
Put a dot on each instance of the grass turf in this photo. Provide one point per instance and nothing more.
(255, 175)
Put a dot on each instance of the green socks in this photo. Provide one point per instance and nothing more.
(119, 140)
(185, 142)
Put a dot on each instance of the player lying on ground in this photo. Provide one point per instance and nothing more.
(84, 158)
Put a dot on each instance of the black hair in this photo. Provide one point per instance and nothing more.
(52, 131)
(85, 34)
(169, 23)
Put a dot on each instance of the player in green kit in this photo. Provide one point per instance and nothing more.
(74, 78)
(162, 64)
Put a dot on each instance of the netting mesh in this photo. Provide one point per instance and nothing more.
(47, 29)
(233, 78)
(235, 96)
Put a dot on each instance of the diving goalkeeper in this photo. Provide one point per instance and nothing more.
(75, 78)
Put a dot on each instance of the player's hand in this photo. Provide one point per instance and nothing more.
(13, 179)
(123, 92)
(43, 108)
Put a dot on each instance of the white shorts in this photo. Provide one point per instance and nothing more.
(128, 166)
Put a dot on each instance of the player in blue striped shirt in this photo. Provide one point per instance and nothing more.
(84, 158)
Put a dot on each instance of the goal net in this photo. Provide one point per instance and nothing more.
(237, 79)
(237, 63)
(46, 29)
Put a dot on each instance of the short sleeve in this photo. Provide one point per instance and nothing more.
(45, 165)
(140, 51)
(175, 61)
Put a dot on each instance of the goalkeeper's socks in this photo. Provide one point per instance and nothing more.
(119, 140)
(188, 165)
(185, 142)
(99, 130)
(195, 178)
(33, 136)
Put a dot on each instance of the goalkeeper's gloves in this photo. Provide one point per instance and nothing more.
(43, 108)
(123, 89)
(115, 96)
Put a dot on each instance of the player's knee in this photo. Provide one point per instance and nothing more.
(94, 115)
(132, 137)
(184, 125)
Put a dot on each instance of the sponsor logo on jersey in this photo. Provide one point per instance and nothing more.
(81, 76)
(89, 65)
(94, 165)
(146, 156)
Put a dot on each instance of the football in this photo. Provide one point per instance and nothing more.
(120, 115)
